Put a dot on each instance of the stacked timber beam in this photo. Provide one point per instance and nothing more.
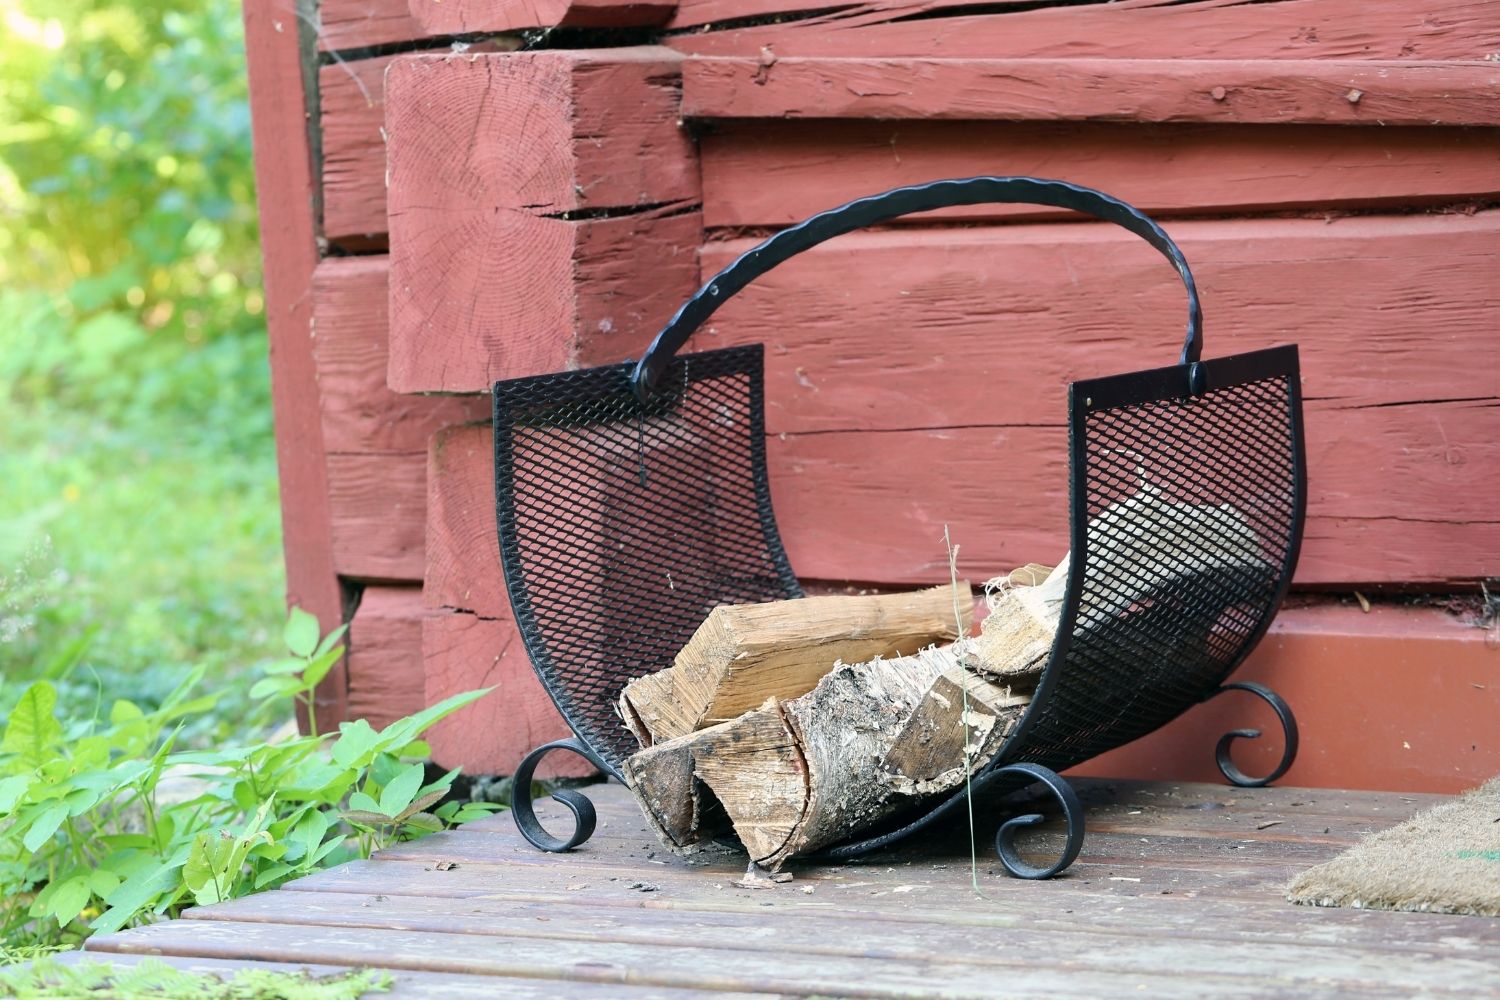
(1330, 167)
(357, 432)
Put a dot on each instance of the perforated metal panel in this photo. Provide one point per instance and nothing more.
(622, 524)
(1187, 514)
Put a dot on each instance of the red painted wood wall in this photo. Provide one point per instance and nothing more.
(452, 192)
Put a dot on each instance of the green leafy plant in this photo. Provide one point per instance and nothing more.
(155, 980)
(104, 823)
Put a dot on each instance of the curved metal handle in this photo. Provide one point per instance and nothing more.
(889, 205)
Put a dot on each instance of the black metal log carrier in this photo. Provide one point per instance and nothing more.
(632, 499)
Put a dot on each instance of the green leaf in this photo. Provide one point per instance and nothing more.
(214, 864)
(138, 893)
(301, 632)
(360, 800)
(244, 795)
(274, 687)
(195, 707)
(396, 796)
(288, 665)
(422, 822)
(311, 829)
(383, 769)
(356, 740)
(445, 782)
(124, 711)
(103, 882)
(365, 817)
(329, 846)
(318, 667)
(414, 725)
(11, 790)
(33, 730)
(44, 826)
(416, 748)
(476, 810)
(69, 899)
(81, 800)
(172, 701)
(330, 639)
(90, 753)
(272, 873)
(204, 860)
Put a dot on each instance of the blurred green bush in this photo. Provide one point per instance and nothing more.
(135, 416)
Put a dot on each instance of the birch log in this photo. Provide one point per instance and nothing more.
(795, 776)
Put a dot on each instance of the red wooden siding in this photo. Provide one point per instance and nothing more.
(385, 655)
(1138, 90)
(542, 212)
(352, 95)
(285, 191)
(359, 24)
(1128, 29)
(459, 17)
(774, 173)
(376, 440)
(1329, 166)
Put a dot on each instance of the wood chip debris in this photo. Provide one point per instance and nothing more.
(756, 877)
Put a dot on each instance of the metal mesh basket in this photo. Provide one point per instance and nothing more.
(632, 499)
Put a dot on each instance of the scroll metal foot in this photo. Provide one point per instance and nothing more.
(584, 817)
(1072, 809)
(1288, 727)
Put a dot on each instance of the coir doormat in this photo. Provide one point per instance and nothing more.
(1444, 860)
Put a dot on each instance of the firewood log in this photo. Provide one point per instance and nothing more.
(679, 807)
(743, 654)
(957, 728)
(1016, 638)
(795, 776)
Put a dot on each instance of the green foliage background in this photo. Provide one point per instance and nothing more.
(139, 498)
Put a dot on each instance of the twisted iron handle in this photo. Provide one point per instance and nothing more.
(892, 204)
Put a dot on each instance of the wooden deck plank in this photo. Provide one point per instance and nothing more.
(840, 930)
(408, 985)
(1179, 892)
(1040, 963)
(590, 876)
(1200, 806)
(1102, 848)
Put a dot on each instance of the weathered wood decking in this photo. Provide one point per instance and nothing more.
(1178, 892)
